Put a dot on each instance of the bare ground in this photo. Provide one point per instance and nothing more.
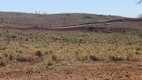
(86, 71)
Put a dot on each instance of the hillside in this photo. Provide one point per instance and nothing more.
(52, 20)
(69, 21)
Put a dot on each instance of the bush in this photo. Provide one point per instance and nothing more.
(49, 52)
(47, 63)
(55, 58)
(114, 58)
(137, 48)
(2, 63)
(90, 28)
(94, 58)
(22, 59)
(39, 54)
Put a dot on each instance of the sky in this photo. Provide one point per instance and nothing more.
(127, 8)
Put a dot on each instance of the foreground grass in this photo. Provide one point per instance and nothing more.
(61, 48)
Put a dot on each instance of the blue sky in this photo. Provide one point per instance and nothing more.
(127, 8)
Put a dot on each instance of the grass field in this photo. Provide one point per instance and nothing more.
(57, 48)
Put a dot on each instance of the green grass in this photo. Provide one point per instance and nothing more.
(58, 47)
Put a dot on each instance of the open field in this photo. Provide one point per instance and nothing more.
(70, 47)
(65, 54)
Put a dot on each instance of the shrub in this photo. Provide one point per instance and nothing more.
(13, 36)
(47, 63)
(39, 54)
(22, 59)
(90, 28)
(54, 58)
(10, 57)
(61, 63)
(137, 53)
(93, 58)
(114, 58)
(132, 57)
(82, 58)
(49, 52)
(87, 17)
(137, 49)
(2, 63)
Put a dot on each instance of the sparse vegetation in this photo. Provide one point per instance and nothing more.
(91, 48)
(24, 20)
(55, 48)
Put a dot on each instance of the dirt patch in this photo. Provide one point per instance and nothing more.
(86, 71)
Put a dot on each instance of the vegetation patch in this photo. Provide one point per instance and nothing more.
(56, 48)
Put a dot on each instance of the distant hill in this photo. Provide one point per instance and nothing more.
(52, 20)
(69, 21)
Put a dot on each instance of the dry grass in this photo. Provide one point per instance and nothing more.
(52, 48)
